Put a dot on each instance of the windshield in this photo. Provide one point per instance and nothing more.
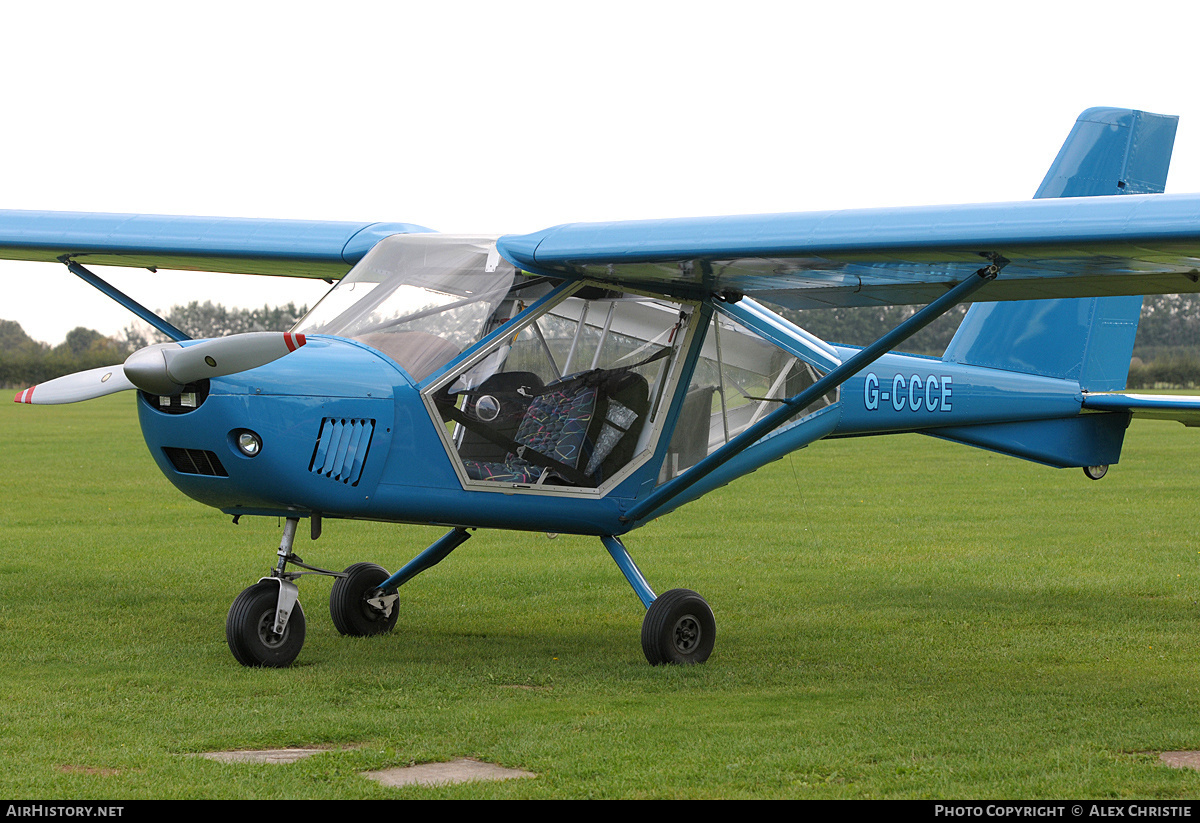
(420, 299)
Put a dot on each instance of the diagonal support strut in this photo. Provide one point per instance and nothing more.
(790, 407)
(427, 559)
(94, 280)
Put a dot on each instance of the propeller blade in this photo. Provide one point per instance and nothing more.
(165, 368)
(229, 355)
(72, 388)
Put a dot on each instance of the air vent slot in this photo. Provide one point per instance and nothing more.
(342, 448)
(195, 461)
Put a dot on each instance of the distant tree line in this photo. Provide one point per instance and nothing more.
(862, 326)
(26, 362)
(207, 319)
(1166, 352)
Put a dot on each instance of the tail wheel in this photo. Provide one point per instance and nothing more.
(350, 603)
(679, 628)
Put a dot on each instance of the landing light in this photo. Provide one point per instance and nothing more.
(248, 443)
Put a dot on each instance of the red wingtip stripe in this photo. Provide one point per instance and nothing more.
(293, 341)
(25, 396)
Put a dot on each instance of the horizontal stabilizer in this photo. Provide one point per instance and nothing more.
(1184, 409)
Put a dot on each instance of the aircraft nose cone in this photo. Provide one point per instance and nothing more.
(147, 369)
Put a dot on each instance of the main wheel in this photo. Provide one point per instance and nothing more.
(352, 614)
(250, 628)
(679, 628)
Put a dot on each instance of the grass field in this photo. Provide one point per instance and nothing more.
(897, 617)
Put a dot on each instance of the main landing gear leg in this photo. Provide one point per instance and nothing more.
(679, 626)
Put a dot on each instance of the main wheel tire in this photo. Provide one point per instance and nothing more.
(679, 628)
(250, 628)
(352, 614)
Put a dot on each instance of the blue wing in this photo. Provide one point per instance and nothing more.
(1070, 247)
(1088, 244)
(301, 248)
(1075, 247)
(1063, 246)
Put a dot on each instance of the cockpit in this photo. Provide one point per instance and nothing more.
(564, 388)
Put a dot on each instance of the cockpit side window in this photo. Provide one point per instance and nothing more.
(739, 379)
(571, 399)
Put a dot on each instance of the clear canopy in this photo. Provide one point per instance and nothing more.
(421, 299)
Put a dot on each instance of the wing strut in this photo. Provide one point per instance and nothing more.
(125, 300)
(668, 491)
(427, 559)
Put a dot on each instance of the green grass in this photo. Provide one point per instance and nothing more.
(897, 617)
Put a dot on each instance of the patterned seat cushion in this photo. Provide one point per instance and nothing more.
(556, 425)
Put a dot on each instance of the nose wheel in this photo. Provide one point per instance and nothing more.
(252, 632)
(265, 625)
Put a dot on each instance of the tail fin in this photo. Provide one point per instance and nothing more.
(1109, 151)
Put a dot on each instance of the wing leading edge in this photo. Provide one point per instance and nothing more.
(297, 248)
(1075, 247)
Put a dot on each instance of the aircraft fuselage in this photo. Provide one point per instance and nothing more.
(345, 433)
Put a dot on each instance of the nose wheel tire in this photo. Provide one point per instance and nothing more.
(250, 629)
(350, 603)
(679, 628)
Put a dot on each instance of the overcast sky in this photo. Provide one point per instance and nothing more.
(511, 117)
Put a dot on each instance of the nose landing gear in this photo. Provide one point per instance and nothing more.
(265, 626)
(252, 629)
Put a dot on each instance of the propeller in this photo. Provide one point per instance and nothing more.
(165, 368)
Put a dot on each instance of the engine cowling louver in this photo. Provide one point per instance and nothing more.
(342, 448)
(195, 461)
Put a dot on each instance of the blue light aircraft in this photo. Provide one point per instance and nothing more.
(590, 378)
